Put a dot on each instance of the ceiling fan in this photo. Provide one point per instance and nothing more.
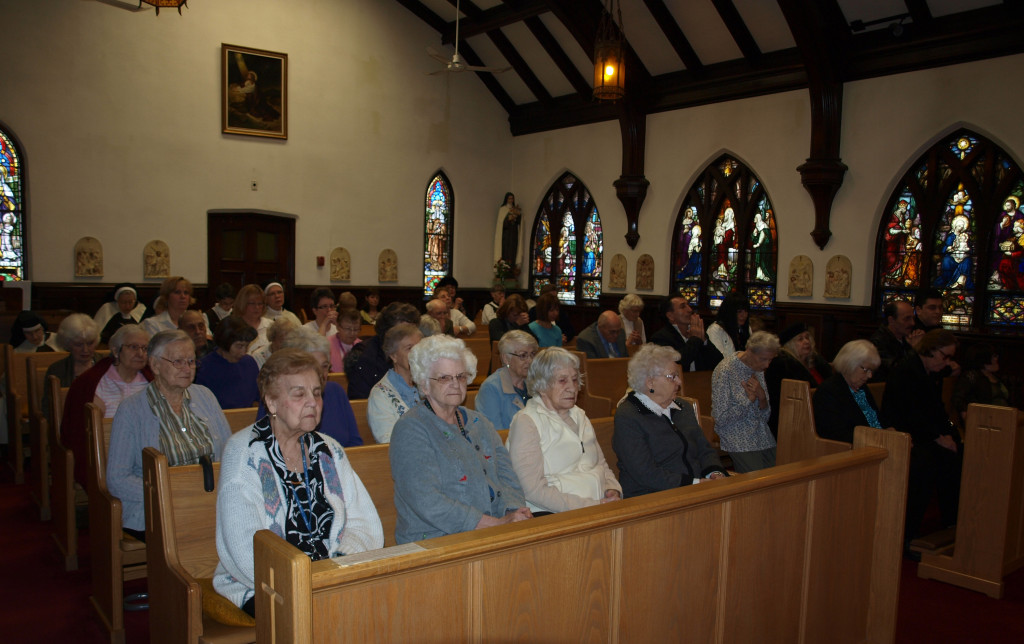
(457, 63)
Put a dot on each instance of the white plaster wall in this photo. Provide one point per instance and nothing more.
(119, 115)
(887, 123)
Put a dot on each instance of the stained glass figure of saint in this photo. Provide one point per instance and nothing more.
(11, 242)
(954, 244)
(1008, 246)
(726, 248)
(690, 244)
(437, 226)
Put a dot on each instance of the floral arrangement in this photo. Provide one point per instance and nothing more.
(504, 269)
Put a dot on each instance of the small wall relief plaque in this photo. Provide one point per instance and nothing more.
(618, 279)
(88, 257)
(156, 259)
(801, 276)
(387, 266)
(838, 273)
(341, 265)
(645, 273)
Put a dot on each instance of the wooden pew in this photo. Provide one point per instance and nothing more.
(16, 370)
(604, 428)
(181, 530)
(990, 524)
(339, 378)
(39, 470)
(239, 419)
(595, 406)
(116, 557)
(62, 487)
(481, 348)
(606, 377)
(798, 438)
(363, 421)
(828, 531)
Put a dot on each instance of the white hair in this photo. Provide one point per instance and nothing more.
(439, 347)
(543, 367)
(649, 362)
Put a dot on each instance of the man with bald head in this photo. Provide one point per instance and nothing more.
(192, 323)
(604, 338)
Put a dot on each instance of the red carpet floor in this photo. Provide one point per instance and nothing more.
(42, 603)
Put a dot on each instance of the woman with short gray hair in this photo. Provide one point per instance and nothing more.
(740, 404)
(552, 443)
(395, 393)
(504, 393)
(451, 472)
(658, 440)
(78, 335)
(630, 307)
(844, 401)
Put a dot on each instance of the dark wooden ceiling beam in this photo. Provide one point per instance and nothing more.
(505, 14)
(667, 22)
(512, 56)
(919, 11)
(426, 15)
(562, 60)
(737, 28)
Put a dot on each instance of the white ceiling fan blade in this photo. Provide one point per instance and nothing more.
(438, 56)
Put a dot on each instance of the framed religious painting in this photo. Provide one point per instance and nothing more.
(254, 92)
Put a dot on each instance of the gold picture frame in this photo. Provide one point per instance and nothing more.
(254, 92)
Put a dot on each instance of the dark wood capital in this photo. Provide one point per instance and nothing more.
(631, 191)
(822, 179)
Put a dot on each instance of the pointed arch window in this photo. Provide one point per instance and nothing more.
(567, 243)
(725, 238)
(12, 214)
(437, 232)
(954, 223)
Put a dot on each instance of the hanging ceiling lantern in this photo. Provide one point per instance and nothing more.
(177, 4)
(610, 56)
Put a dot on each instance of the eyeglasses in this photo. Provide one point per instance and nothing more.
(138, 348)
(447, 379)
(674, 377)
(525, 355)
(350, 329)
(866, 370)
(181, 363)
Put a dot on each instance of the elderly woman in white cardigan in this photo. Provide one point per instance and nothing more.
(552, 443)
(282, 475)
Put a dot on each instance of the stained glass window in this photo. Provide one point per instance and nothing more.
(726, 211)
(572, 254)
(12, 229)
(955, 225)
(437, 233)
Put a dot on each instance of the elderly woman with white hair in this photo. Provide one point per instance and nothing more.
(78, 335)
(504, 393)
(552, 443)
(842, 401)
(395, 393)
(740, 404)
(451, 472)
(630, 307)
(658, 441)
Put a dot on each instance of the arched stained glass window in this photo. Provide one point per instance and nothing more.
(955, 224)
(12, 228)
(726, 238)
(572, 254)
(437, 233)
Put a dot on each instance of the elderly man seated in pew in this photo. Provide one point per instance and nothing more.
(604, 338)
(843, 401)
(282, 475)
(451, 472)
(657, 438)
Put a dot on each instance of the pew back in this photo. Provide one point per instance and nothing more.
(826, 530)
(604, 428)
(363, 421)
(62, 488)
(339, 378)
(17, 368)
(481, 348)
(606, 377)
(239, 419)
(798, 439)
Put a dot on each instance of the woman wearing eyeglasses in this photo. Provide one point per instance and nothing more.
(503, 394)
(842, 401)
(913, 404)
(658, 441)
(179, 418)
(110, 381)
(552, 443)
(451, 472)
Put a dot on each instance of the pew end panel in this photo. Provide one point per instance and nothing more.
(590, 573)
(62, 488)
(990, 523)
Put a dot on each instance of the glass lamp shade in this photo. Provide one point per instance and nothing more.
(609, 70)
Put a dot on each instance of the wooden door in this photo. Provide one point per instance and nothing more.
(250, 247)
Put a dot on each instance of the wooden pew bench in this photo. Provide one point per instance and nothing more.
(990, 523)
(606, 377)
(827, 530)
(798, 438)
(17, 368)
(62, 483)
